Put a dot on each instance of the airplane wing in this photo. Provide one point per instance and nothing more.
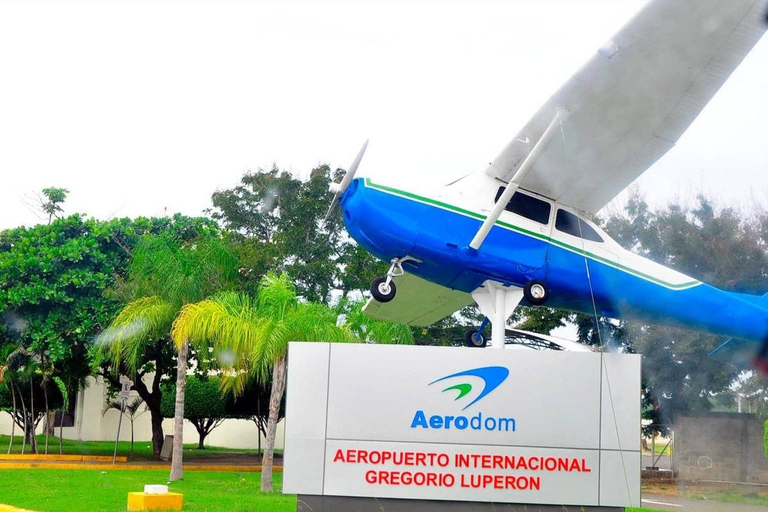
(418, 302)
(633, 100)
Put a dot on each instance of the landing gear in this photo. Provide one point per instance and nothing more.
(535, 292)
(475, 339)
(383, 288)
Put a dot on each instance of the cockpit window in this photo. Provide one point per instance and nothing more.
(527, 206)
(571, 224)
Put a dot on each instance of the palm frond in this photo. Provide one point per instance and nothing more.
(141, 322)
(372, 330)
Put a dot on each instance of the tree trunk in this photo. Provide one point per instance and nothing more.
(156, 419)
(33, 439)
(177, 470)
(47, 416)
(275, 397)
(24, 412)
(202, 434)
(13, 423)
(152, 400)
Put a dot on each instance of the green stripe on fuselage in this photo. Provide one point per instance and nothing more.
(518, 229)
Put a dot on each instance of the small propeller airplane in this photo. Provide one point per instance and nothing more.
(520, 231)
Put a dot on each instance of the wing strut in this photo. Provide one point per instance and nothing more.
(519, 176)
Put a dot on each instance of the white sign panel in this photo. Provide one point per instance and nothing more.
(463, 424)
(125, 388)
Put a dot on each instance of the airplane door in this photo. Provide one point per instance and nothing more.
(528, 222)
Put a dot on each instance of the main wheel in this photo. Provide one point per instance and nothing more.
(383, 291)
(535, 292)
(475, 339)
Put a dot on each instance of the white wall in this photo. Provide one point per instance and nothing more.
(92, 425)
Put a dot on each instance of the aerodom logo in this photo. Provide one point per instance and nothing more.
(492, 377)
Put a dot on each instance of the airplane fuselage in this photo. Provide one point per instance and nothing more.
(583, 269)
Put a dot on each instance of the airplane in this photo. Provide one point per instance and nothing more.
(520, 231)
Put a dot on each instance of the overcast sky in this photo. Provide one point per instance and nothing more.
(141, 108)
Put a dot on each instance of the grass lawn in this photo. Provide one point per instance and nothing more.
(55, 490)
(726, 493)
(142, 449)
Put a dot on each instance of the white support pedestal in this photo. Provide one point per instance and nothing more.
(497, 302)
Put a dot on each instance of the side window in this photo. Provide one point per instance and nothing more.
(527, 206)
(571, 224)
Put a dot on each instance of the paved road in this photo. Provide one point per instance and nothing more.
(654, 502)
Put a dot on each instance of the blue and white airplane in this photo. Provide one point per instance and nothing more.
(520, 231)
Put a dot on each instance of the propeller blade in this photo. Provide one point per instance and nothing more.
(330, 208)
(341, 187)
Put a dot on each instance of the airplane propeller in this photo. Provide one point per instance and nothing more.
(338, 188)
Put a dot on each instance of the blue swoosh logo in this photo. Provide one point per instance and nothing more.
(493, 376)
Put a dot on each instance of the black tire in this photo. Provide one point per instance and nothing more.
(382, 291)
(536, 292)
(471, 339)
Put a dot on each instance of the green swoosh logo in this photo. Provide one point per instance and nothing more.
(463, 389)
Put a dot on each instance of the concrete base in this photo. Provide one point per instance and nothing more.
(142, 501)
(307, 503)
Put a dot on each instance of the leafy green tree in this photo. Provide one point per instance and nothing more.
(277, 222)
(163, 276)
(204, 405)
(53, 280)
(54, 198)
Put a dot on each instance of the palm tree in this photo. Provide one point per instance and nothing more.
(128, 409)
(250, 338)
(163, 276)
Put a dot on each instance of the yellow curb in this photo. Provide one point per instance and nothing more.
(8, 508)
(187, 467)
(62, 458)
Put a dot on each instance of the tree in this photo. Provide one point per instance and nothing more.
(257, 332)
(53, 280)
(163, 275)
(24, 396)
(277, 222)
(131, 410)
(54, 198)
(253, 337)
(204, 405)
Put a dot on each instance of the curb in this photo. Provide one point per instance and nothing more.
(35, 457)
(122, 467)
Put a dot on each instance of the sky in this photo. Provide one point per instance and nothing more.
(147, 108)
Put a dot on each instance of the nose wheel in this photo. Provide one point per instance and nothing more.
(383, 288)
